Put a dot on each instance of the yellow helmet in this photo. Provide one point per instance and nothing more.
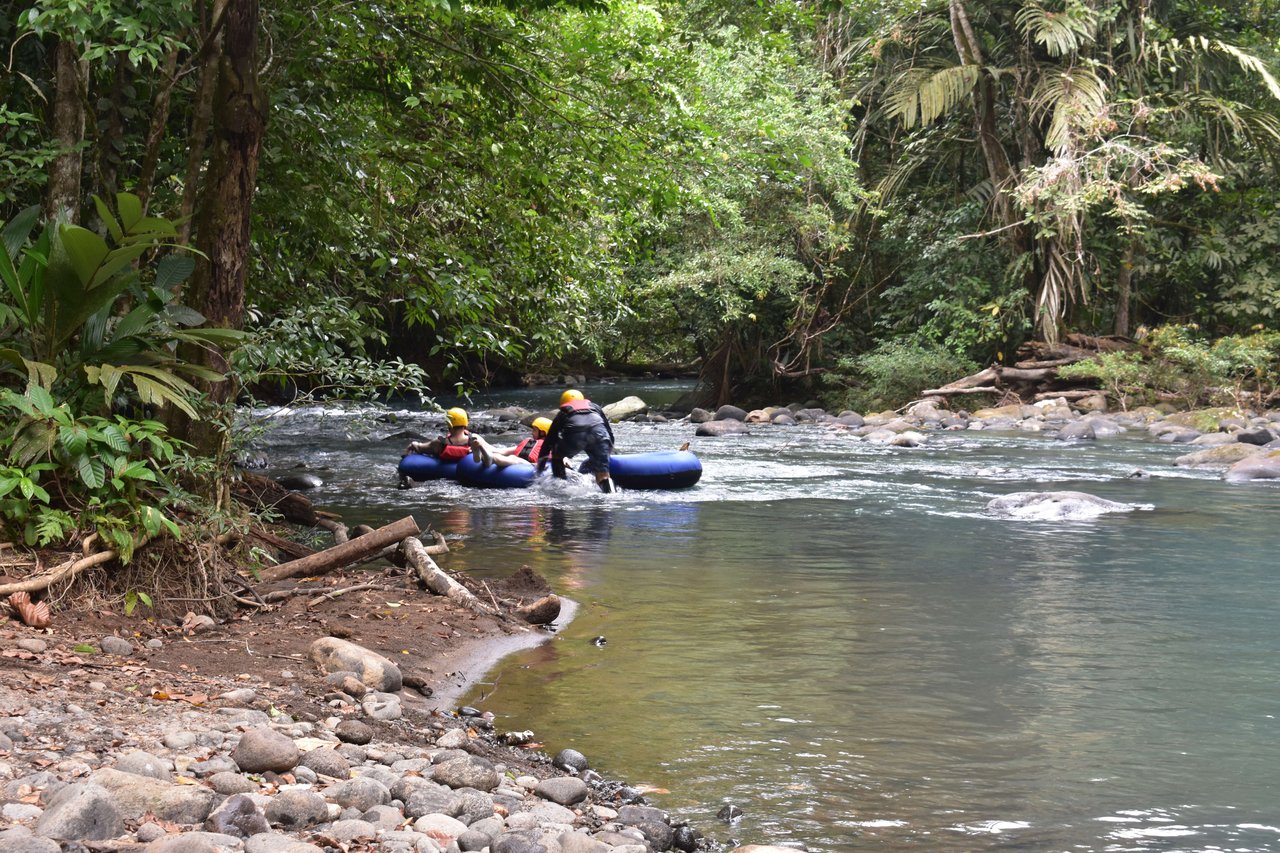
(456, 417)
(571, 394)
(543, 424)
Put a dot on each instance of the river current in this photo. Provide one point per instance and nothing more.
(835, 637)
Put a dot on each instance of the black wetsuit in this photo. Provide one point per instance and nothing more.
(579, 425)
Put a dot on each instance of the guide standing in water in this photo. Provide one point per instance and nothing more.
(579, 425)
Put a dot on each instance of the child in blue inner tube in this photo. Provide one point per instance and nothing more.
(450, 447)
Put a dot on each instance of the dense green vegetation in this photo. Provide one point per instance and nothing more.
(818, 197)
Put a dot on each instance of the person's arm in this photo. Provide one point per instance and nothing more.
(549, 443)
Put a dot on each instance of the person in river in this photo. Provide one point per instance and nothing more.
(450, 447)
(526, 452)
(579, 425)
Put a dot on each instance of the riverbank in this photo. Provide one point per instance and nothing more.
(132, 734)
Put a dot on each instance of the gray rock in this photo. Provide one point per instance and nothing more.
(442, 829)
(354, 754)
(719, 428)
(332, 655)
(571, 760)
(381, 706)
(179, 740)
(33, 644)
(782, 419)
(20, 840)
(263, 749)
(578, 842)
(296, 809)
(469, 772)
(1257, 435)
(1045, 506)
(565, 790)
(213, 766)
(471, 841)
(525, 841)
(238, 816)
(20, 812)
(149, 832)
(546, 813)
(1213, 439)
(243, 696)
(627, 407)
(360, 793)
(116, 646)
(135, 796)
(347, 831)
(700, 416)
(353, 731)
(81, 811)
(384, 817)
(651, 822)
(1076, 431)
(1172, 434)
(453, 739)
(145, 764)
(228, 783)
(423, 798)
(276, 843)
(1259, 466)
(300, 481)
(727, 412)
(194, 842)
(327, 762)
(1220, 456)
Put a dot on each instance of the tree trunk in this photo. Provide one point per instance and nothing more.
(111, 132)
(71, 76)
(155, 133)
(226, 200)
(208, 58)
(1124, 288)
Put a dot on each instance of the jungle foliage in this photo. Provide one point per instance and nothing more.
(387, 197)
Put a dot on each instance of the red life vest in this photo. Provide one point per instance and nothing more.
(575, 406)
(529, 450)
(455, 452)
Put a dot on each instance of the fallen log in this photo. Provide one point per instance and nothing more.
(294, 550)
(339, 530)
(949, 391)
(65, 571)
(346, 553)
(1076, 394)
(257, 490)
(434, 578)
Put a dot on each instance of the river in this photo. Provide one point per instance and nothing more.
(836, 638)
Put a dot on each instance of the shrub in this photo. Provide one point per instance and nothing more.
(894, 373)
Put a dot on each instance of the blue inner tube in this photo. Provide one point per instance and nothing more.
(415, 466)
(472, 473)
(665, 469)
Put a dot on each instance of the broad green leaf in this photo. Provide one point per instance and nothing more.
(173, 270)
(130, 207)
(92, 472)
(115, 439)
(18, 229)
(113, 225)
(74, 439)
(86, 250)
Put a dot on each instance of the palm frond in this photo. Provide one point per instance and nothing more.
(1059, 33)
(1070, 99)
(919, 96)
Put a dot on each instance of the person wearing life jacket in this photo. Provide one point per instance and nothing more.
(579, 425)
(450, 447)
(525, 452)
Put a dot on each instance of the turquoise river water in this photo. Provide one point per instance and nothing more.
(837, 638)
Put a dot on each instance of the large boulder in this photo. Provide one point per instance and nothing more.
(262, 749)
(135, 796)
(1264, 465)
(1205, 420)
(333, 655)
(627, 407)
(727, 412)
(1217, 456)
(719, 428)
(82, 811)
(1054, 506)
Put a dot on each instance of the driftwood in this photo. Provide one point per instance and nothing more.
(341, 535)
(293, 550)
(948, 391)
(257, 490)
(434, 578)
(1079, 394)
(345, 554)
(65, 571)
(1035, 375)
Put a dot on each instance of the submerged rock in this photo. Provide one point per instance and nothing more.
(1052, 506)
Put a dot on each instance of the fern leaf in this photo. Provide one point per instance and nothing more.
(919, 96)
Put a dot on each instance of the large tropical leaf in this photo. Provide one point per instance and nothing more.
(918, 95)
(1072, 99)
(1059, 33)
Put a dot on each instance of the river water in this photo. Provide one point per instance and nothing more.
(838, 639)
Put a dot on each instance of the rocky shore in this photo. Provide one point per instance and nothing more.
(286, 762)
